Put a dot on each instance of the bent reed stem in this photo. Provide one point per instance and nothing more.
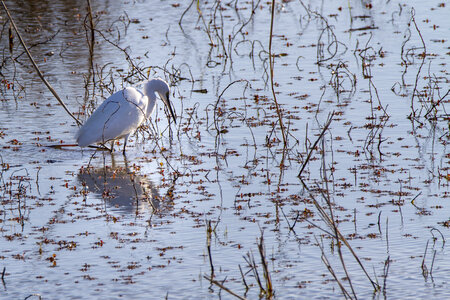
(37, 68)
(271, 57)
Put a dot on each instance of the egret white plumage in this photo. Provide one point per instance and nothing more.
(122, 113)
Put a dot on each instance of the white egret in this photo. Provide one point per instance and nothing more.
(122, 113)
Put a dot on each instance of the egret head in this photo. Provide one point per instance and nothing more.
(161, 87)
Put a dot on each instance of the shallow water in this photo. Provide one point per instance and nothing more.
(89, 223)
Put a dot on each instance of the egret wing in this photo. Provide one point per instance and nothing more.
(117, 117)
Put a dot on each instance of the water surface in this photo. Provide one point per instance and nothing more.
(88, 223)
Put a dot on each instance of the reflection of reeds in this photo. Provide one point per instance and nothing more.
(209, 231)
(37, 68)
(329, 220)
(3, 275)
(268, 291)
(11, 39)
(429, 96)
(339, 237)
(264, 283)
(266, 287)
(15, 192)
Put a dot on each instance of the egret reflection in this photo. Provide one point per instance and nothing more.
(123, 190)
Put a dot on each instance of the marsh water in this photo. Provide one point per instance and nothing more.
(182, 214)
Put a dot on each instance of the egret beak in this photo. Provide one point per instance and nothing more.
(166, 101)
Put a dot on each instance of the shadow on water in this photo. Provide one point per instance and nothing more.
(122, 189)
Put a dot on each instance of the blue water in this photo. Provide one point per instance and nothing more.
(84, 223)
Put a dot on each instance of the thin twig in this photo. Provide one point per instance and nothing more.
(262, 253)
(423, 54)
(243, 278)
(271, 58)
(91, 44)
(251, 262)
(182, 15)
(208, 245)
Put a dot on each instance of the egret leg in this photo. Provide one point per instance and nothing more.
(125, 144)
